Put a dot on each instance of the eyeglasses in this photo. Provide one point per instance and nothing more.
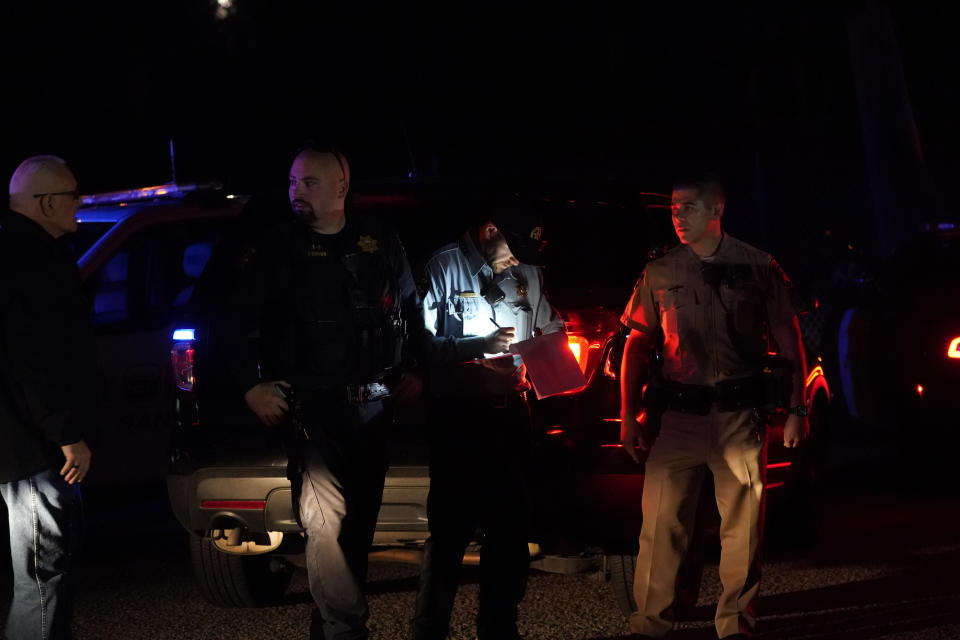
(75, 194)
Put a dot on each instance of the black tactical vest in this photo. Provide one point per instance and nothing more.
(346, 302)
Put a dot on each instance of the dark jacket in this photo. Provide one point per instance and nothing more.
(329, 305)
(49, 391)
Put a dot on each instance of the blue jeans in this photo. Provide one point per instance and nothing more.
(45, 519)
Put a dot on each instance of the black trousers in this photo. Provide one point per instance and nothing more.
(478, 465)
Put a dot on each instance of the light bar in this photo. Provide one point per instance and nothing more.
(953, 351)
(184, 334)
(147, 193)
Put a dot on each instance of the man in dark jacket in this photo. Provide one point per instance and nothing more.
(335, 301)
(48, 396)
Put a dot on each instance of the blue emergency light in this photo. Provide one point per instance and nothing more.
(184, 334)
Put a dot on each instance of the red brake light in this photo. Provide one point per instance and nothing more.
(953, 351)
(258, 505)
(181, 358)
(580, 347)
(588, 331)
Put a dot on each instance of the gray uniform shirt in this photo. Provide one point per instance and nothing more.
(458, 318)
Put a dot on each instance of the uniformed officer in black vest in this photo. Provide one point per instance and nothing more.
(335, 303)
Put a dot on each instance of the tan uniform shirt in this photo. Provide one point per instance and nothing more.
(712, 312)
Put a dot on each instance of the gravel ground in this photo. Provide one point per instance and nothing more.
(803, 598)
(886, 566)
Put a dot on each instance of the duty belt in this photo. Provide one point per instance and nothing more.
(354, 394)
(360, 393)
(729, 395)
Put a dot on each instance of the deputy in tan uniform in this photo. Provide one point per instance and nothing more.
(709, 304)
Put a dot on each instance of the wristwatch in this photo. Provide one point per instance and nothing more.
(799, 410)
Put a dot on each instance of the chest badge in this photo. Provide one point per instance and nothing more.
(368, 244)
(316, 251)
(521, 290)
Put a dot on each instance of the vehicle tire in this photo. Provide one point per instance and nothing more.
(229, 580)
(801, 514)
(621, 569)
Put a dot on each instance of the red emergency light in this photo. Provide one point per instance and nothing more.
(181, 357)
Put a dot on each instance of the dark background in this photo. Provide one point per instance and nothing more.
(764, 92)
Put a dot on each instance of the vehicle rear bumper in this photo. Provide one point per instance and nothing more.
(266, 502)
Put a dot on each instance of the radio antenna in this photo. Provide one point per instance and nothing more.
(173, 164)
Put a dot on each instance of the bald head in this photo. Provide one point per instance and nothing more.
(319, 181)
(44, 189)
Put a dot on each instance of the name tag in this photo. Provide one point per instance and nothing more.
(468, 294)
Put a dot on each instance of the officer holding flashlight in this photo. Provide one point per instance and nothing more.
(477, 299)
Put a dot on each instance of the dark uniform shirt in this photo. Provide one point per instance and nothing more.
(458, 318)
(335, 307)
(49, 391)
(713, 312)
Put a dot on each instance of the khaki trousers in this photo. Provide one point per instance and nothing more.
(728, 445)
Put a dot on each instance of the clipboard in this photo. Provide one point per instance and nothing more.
(551, 365)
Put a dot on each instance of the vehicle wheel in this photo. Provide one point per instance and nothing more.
(621, 569)
(801, 515)
(229, 580)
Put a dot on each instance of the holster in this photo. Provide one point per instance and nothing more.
(655, 400)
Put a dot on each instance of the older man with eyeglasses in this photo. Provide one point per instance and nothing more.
(48, 394)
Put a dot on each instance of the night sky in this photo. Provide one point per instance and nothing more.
(766, 94)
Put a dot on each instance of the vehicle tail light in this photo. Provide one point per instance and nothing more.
(258, 505)
(580, 347)
(588, 332)
(181, 358)
(953, 351)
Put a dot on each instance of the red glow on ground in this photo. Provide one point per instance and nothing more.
(554, 432)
